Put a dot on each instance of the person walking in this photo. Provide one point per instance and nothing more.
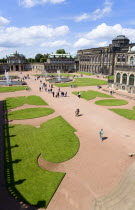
(101, 134)
(79, 94)
(77, 112)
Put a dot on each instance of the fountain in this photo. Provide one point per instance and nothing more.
(7, 77)
(9, 82)
(59, 78)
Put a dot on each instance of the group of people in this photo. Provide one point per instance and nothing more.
(64, 94)
(50, 90)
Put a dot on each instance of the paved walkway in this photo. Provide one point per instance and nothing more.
(98, 166)
(123, 197)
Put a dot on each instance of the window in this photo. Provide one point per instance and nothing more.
(123, 58)
(131, 60)
(131, 79)
(124, 79)
(118, 58)
(118, 78)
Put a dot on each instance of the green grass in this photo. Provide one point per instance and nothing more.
(85, 73)
(55, 140)
(91, 94)
(110, 77)
(21, 100)
(111, 102)
(12, 88)
(29, 113)
(127, 113)
(83, 82)
(55, 74)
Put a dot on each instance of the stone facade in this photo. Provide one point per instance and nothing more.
(16, 62)
(55, 62)
(104, 59)
(62, 62)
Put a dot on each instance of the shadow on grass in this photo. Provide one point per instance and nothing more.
(15, 146)
(9, 174)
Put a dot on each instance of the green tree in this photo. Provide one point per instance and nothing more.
(42, 60)
(3, 60)
(38, 57)
(61, 51)
(30, 60)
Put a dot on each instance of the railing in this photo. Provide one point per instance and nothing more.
(125, 68)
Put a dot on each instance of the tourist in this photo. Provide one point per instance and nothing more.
(65, 94)
(53, 93)
(101, 134)
(79, 94)
(39, 88)
(77, 112)
(111, 92)
(58, 89)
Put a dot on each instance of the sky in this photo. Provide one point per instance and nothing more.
(43, 26)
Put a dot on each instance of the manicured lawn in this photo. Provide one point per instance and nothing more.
(85, 73)
(110, 77)
(12, 88)
(12, 102)
(55, 140)
(55, 74)
(111, 102)
(91, 94)
(127, 113)
(29, 113)
(83, 82)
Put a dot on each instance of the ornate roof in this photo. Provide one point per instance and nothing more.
(133, 49)
(121, 37)
(16, 54)
(60, 56)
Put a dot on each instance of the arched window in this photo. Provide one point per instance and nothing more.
(118, 58)
(131, 79)
(118, 78)
(131, 60)
(123, 58)
(124, 79)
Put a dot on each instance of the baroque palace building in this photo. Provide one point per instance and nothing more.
(55, 62)
(117, 59)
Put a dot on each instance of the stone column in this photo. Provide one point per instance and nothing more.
(134, 80)
(127, 79)
(121, 78)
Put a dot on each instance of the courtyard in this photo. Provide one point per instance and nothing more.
(98, 166)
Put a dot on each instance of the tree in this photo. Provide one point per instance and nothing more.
(38, 57)
(61, 51)
(42, 60)
(31, 60)
(3, 60)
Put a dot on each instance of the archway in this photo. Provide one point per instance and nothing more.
(17, 68)
(131, 79)
(124, 79)
(118, 78)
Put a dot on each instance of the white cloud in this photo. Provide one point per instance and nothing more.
(97, 14)
(34, 35)
(103, 34)
(55, 43)
(3, 21)
(32, 3)
(83, 42)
